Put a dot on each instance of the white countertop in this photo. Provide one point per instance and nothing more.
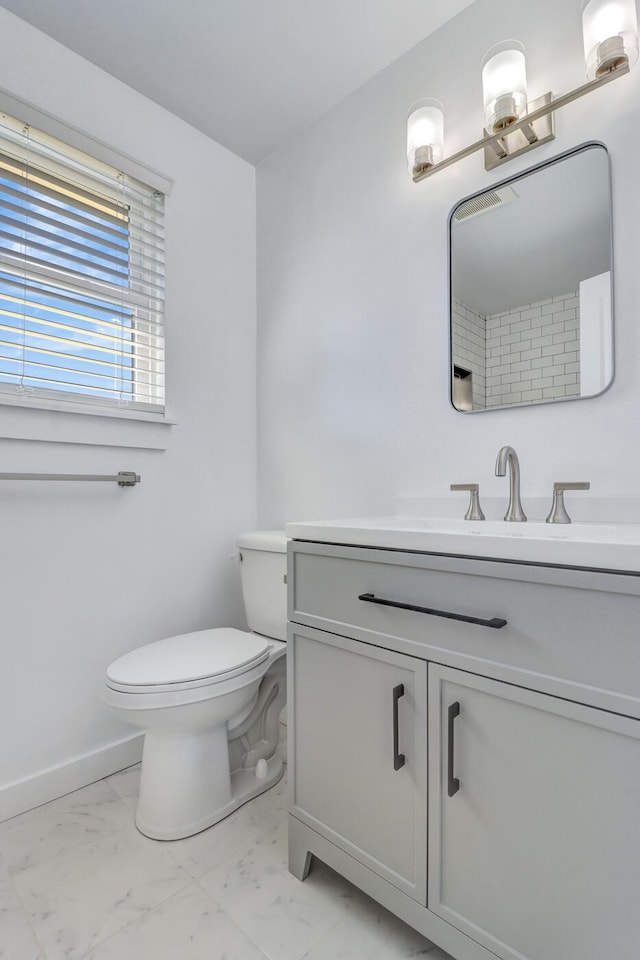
(602, 546)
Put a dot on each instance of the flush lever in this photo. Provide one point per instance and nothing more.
(558, 510)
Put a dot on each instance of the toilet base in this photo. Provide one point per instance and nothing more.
(244, 787)
(204, 758)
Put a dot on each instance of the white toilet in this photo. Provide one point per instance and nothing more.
(210, 704)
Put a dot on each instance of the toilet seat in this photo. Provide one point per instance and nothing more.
(188, 661)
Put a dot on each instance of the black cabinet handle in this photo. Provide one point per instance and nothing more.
(496, 623)
(453, 784)
(398, 758)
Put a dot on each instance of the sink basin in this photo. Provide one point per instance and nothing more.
(601, 546)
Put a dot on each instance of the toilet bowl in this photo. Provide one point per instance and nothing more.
(209, 703)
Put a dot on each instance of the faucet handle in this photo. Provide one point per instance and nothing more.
(474, 511)
(558, 511)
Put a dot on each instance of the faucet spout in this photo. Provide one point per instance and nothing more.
(508, 457)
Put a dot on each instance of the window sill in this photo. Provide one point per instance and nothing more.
(60, 422)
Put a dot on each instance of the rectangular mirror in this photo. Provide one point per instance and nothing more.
(531, 316)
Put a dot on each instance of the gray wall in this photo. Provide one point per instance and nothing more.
(353, 393)
(89, 571)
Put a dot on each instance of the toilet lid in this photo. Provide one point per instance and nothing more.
(205, 654)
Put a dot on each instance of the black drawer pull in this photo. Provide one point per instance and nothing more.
(398, 758)
(496, 623)
(453, 784)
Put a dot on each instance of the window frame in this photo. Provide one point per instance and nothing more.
(29, 416)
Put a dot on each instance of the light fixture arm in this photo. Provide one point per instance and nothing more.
(496, 142)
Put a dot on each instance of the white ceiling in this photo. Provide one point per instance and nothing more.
(248, 73)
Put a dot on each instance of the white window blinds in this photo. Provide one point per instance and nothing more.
(81, 277)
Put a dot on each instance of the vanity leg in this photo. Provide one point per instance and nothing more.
(299, 854)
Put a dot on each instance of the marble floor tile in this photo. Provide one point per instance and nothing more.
(78, 882)
(369, 932)
(4, 870)
(189, 926)
(234, 835)
(17, 940)
(77, 900)
(284, 917)
(126, 784)
(77, 820)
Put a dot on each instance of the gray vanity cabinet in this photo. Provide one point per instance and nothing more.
(352, 780)
(536, 852)
(520, 700)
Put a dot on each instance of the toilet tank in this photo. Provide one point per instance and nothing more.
(262, 571)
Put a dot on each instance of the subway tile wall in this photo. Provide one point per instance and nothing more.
(469, 348)
(531, 353)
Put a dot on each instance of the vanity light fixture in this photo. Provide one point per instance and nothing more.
(425, 135)
(610, 34)
(513, 125)
(504, 85)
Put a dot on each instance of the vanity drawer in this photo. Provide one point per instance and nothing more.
(579, 627)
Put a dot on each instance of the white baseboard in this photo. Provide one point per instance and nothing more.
(55, 782)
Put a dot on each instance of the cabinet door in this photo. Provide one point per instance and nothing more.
(535, 851)
(345, 699)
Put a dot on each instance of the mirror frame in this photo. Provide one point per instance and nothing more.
(529, 171)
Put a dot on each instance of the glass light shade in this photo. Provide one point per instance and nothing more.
(425, 135)
(504, 85)
(610, 33)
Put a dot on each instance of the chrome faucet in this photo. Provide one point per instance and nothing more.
(507, 455)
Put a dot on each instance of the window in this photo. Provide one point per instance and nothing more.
(81, 277)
